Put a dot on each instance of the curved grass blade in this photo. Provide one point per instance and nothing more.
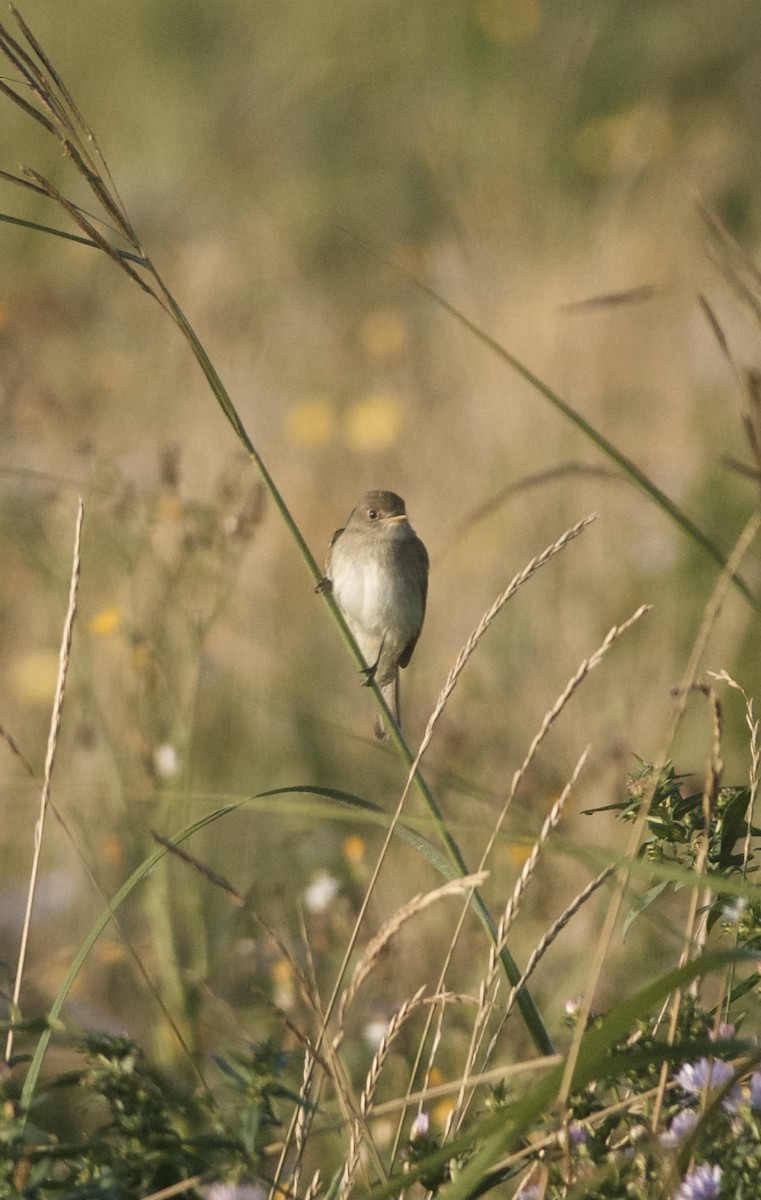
(630, 468)
(62, 233)
(432, 855)
(124, 891)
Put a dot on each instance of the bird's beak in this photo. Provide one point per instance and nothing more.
(397, 519)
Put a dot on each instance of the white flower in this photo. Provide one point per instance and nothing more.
(374, 1033)
(420, 1126)
(321, 891)
(166, 761)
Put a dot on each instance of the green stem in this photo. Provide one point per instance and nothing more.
(528, 1008)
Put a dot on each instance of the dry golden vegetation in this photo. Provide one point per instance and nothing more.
(581, 184)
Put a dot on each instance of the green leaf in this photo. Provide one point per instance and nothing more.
(640, 905)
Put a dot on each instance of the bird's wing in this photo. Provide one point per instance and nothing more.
(333, 541)
(419, 563)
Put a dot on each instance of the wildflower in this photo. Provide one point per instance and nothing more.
(701, 1184)
(374, 1033)
(705, 1073)
(166, 761)
(321, 891)
(419, 1127)
(353, 848)
(695, 1078)
(755, 1091)
(528, 1192)
(235, 1191)
(683, 1124)
(578, 1134)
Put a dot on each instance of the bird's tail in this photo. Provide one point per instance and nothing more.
(390, 693)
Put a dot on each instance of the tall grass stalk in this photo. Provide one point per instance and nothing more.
(52, 746)
(60, 116)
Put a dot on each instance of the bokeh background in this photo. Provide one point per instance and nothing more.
(292, 168)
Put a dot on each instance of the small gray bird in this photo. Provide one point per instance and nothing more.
(378, 570)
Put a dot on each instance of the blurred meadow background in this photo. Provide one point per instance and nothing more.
(292, 168)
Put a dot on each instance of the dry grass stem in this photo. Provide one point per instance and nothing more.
(552, 715)
(302, 1125)
(413, 907)
(65, 121)
(314, 1186)
(545, 942)
(551, 823)
(538, 479)
(176, 1189)
(731, 260)
(491, 980)
(53, 735)
(713, 606)
(475, 637)
(689, 943)
(422, 1098)
(452, 678)
(549, 719)
(371, 1083)
(16, 752)
(748, 383)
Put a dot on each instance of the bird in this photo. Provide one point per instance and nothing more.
(377, 570)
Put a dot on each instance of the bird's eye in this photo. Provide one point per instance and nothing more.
(373, 514)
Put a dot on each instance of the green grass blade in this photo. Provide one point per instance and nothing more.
(101, 923)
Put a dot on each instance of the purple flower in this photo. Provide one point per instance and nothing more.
(684, 1122)
(701, 1184)
(755, 1091)
(578, 1134)
(694, 1078)
(706, 1072)
(529, 1191)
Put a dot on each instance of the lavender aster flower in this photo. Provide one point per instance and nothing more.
(530, 1191)
(709, 1073)
(578, 1134)
(701, 1184)
(683, 1123)
(755, 1091)
(706, 1072)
